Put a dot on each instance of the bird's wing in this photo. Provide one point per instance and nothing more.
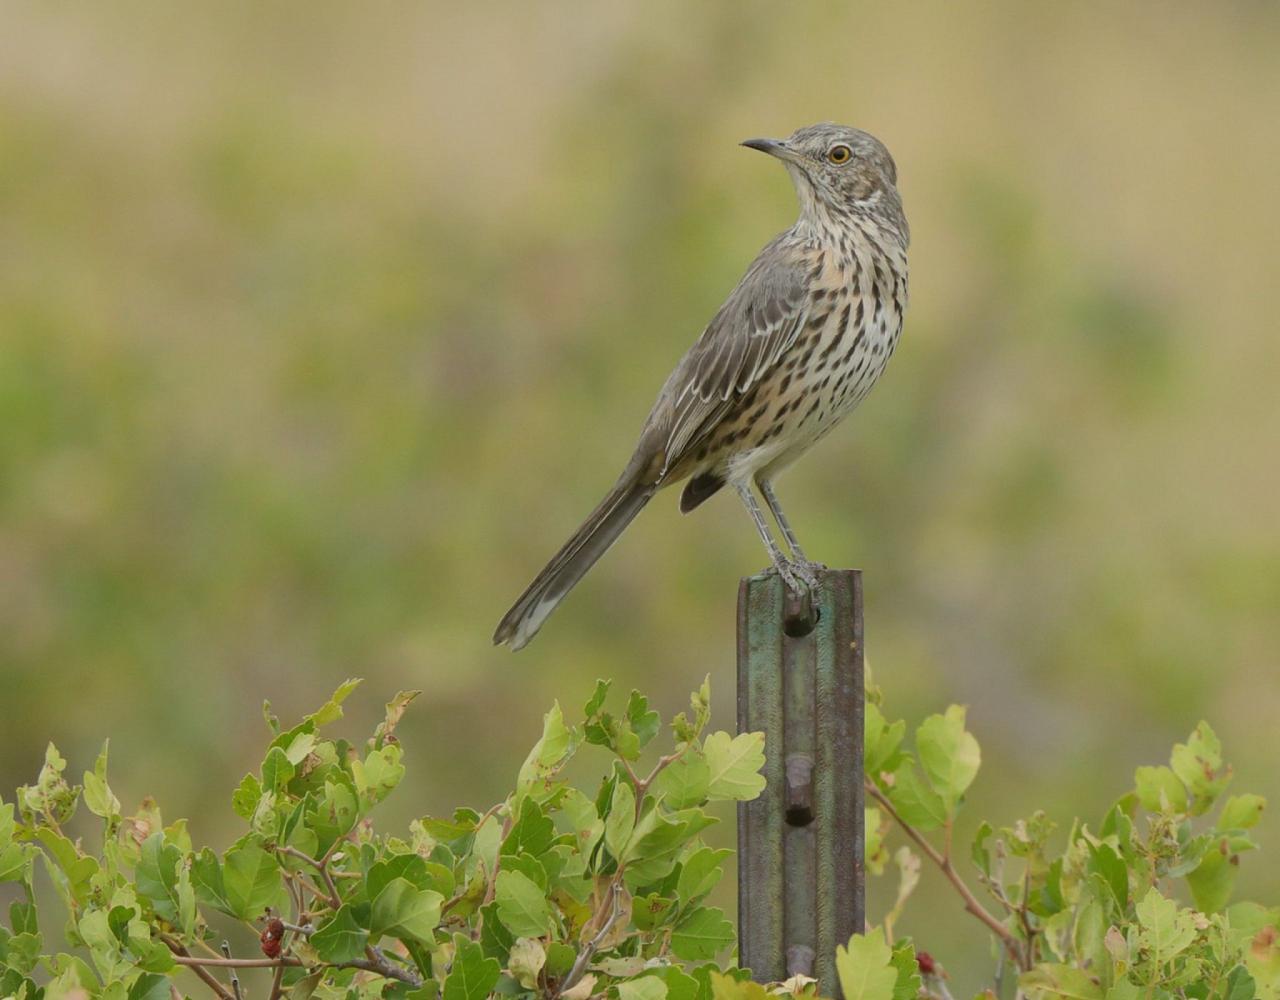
(762, 317)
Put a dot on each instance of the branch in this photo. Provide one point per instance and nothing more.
(378, 964)
(584, 959)
(321, 865)
(1006, 936)
(183, 957)
(275, 983)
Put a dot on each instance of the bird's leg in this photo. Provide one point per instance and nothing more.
(802, 567)
(788, 536)
(780, 562)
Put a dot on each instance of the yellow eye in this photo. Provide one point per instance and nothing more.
(839, 154)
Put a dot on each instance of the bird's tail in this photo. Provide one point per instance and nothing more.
(599, 531)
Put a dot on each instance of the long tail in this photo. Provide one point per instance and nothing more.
(600, 530)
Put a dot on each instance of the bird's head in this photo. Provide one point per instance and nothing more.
(837, 169)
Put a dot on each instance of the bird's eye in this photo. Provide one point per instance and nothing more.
(839, 154)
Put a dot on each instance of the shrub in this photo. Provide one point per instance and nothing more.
(562, 892)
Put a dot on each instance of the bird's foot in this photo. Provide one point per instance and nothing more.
(800, 577)
(807, 573)
(790, 577)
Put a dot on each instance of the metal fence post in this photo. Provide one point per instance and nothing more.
(800, 845)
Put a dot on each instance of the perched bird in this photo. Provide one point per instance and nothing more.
(796, 346)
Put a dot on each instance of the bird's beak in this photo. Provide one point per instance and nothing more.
(774, 147)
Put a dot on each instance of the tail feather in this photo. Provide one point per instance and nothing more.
(599, 531)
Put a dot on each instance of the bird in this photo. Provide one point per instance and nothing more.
(795, 347)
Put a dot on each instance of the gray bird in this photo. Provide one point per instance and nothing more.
(797, 345)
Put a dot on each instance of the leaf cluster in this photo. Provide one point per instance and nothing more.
(555, 891)
(1138, 905)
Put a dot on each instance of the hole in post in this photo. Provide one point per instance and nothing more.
(800, 619)
(799, 790)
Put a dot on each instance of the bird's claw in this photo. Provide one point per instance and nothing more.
(799, 577)
(807, 573)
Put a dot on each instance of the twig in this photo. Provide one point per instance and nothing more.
(235, 980)
(235, 963)
(1006, 936)
(321, 865)
(183, 957)
(276, 979)
(584, 959)
(380, 965)
(1029, 932)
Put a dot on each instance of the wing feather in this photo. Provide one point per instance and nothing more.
(762, 317)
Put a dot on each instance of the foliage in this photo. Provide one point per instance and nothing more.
(1099, 917)
(554, 891)
(561, 892)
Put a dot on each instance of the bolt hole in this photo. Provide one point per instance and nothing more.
(798, 625)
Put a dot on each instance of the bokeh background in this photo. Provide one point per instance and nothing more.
(321, 326)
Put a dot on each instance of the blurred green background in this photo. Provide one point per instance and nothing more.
(322, 326)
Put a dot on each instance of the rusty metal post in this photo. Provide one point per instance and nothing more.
(800, 845)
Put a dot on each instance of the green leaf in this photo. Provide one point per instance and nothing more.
(735, 763)
(50, 799)
(729, 987)
(394, 713)
(644, 988)
(522, 907)
(980, 852)
(277, 772)
(700, 873)
(340, 938)
(585, 823)
(1241, 812)
(404, 911)
(620, 821)
(916, 802)
(880, 741)
(1198, 763)
(1240, 985)
(157, 875)
(251, 881)
(206, 879)
(472, 976)
(1213, 880)
(866, 969)
(1052, 981)
(1159, 790)
(1166, 930)
(98, 797)
(77, 869)
(686, 730)
(526, 961)
(331, 711)
(651, 910)
(949, 755)
(1110, 867)
(186, 896)
(532, 833)
(300, 747)
(149, 987)
(686, 782)
(702, 934)
(644, 722)
(378, 774)
(245, 799)
(907, 968)
(547, 756)
(596, 701)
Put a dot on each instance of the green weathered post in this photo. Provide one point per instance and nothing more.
(800, 845)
